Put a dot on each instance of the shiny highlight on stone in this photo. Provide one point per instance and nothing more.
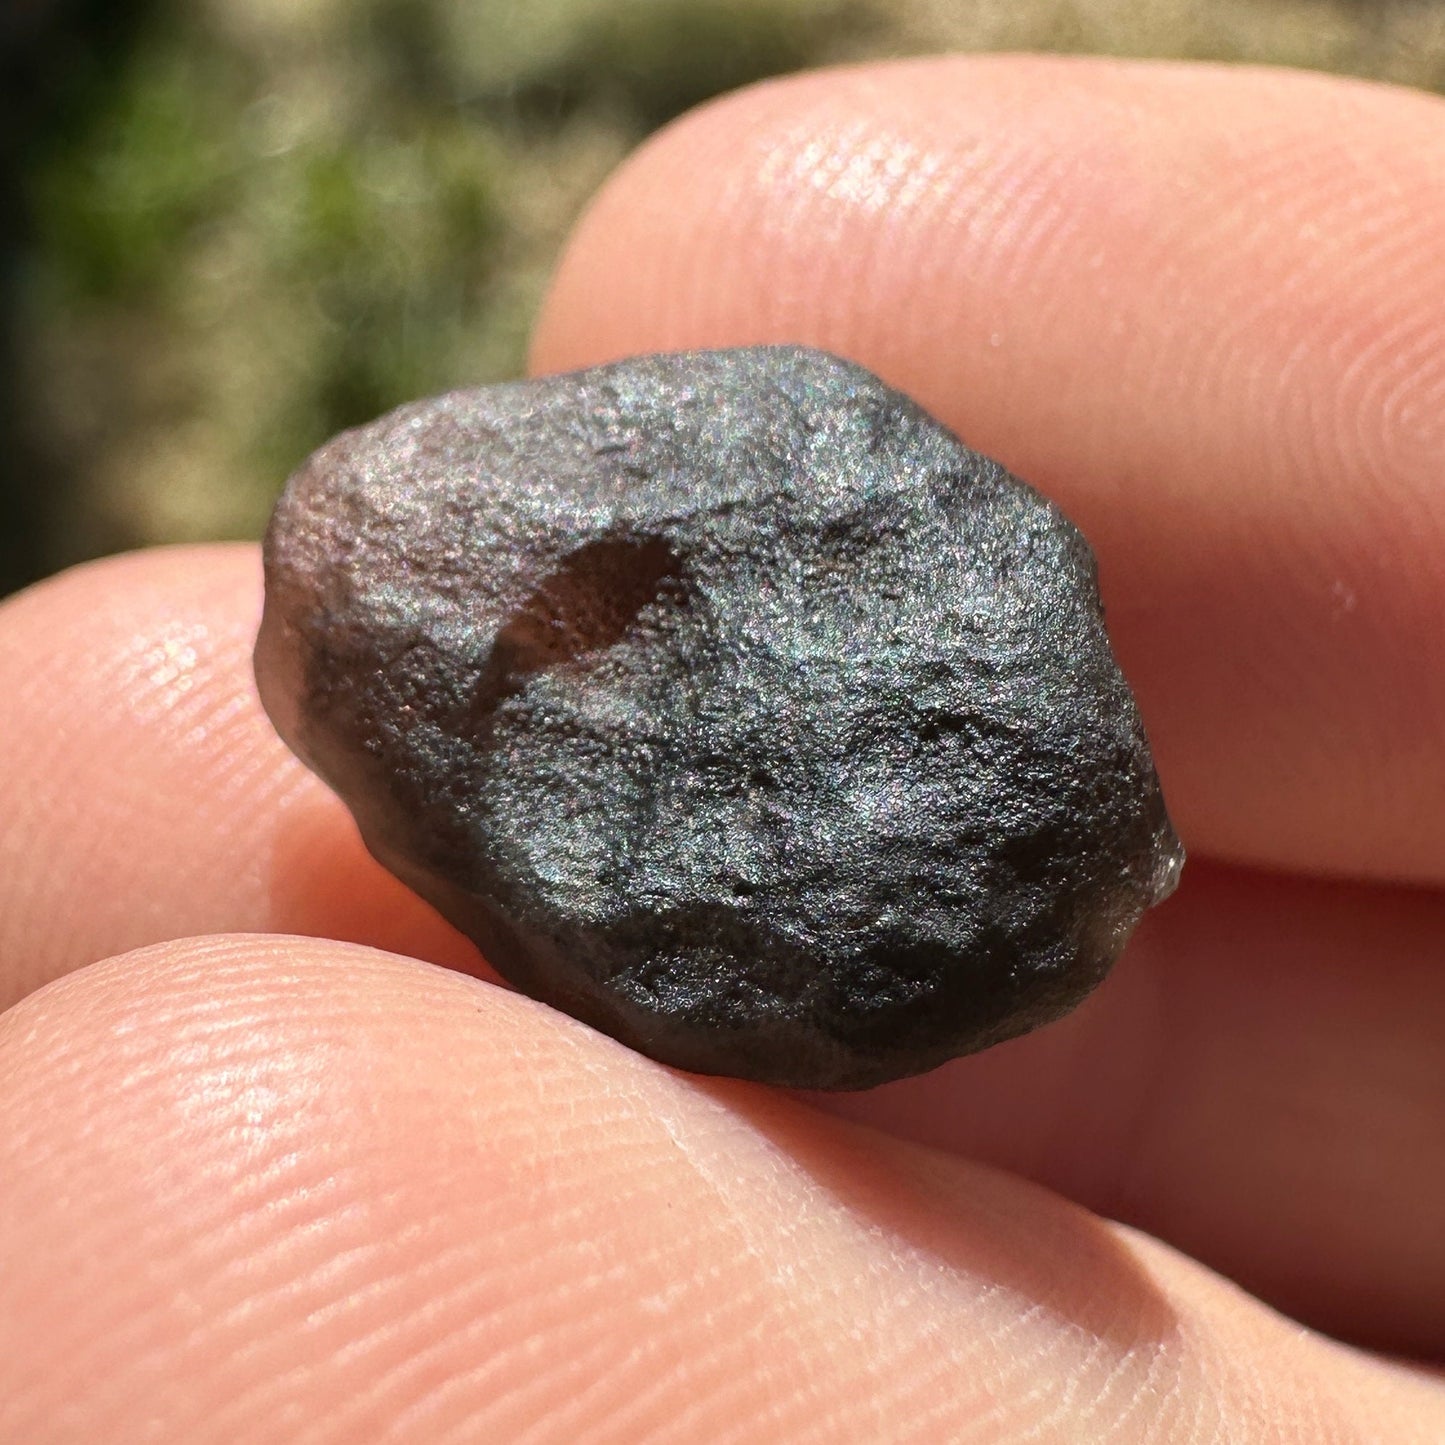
(729, 703)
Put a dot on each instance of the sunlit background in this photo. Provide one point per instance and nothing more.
(231, 227)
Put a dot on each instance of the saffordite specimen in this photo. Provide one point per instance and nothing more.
(729, 703)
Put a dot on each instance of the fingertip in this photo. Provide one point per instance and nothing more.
(1198, 306)
(470, 1218)
(145, 794)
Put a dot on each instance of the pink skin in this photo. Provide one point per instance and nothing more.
(292, 1188)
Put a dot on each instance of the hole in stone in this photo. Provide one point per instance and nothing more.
(588, 604)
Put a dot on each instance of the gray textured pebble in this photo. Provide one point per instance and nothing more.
(729, 703)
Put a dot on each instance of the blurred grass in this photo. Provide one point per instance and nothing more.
(259, 221)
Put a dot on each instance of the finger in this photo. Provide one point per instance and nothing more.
(1260, 1082)
(145, 796)
(292, 1190)
(150, 797)
(1199, 307)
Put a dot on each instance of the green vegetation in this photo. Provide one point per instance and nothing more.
(275, 218)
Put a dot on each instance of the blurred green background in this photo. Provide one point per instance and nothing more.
(235, 226)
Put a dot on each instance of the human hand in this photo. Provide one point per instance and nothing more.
(296, 1188)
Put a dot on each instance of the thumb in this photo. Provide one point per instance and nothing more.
(283, 1189)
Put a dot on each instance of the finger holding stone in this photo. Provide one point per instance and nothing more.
(1260, 1082)
(1199, 307)
(250, 1187)
(141, 808)
(145, 795)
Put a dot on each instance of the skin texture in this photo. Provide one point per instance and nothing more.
(285, 1188)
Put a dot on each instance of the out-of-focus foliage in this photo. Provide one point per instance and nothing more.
(263, 220)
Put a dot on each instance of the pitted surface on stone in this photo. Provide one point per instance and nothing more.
(729, 703)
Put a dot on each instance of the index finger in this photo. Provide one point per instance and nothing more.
(1201, 308)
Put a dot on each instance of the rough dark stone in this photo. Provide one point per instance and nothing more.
(729, 703)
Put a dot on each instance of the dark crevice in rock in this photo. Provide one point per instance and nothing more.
(588, 604)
